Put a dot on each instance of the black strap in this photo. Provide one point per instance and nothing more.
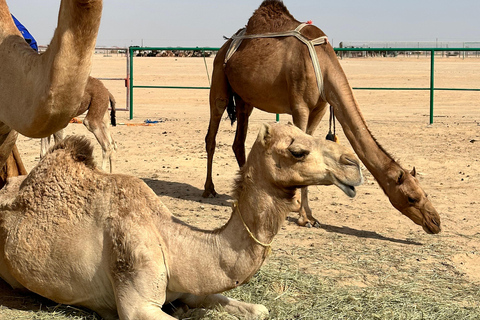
(331, 135)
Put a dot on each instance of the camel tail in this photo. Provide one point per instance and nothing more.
(79, 148)
(231, 108)
(113, 119)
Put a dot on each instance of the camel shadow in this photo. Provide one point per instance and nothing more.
(30, 302)
(185, 191)
(361, 233)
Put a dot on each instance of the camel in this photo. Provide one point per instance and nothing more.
(277, 74)
(40, 93)
(96, 101)
(80, 236)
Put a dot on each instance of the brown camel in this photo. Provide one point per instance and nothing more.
(80, 236)
(96, 101)
(40, 93)
(277, 74)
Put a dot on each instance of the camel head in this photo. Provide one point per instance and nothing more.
(294, 159)
(410, 199)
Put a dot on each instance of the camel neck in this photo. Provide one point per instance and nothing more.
(348, 113)
(205, 262)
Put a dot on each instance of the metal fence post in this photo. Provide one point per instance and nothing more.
(432, 80)
(130, 81)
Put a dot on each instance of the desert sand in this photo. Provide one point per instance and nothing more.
(170, 157)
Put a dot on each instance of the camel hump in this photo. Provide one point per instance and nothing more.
(271, 16)
(79, 147)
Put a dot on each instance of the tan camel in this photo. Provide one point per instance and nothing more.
(77, 235)
(96, 101)
(39, 94)
(276, 74)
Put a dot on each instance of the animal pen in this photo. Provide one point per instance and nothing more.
(131, 52)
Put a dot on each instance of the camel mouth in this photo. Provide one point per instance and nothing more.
(349, 190)
(431, 229)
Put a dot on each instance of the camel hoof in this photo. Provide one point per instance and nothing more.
(206, 193)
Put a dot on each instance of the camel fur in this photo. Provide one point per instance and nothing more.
(80, 236)
(96, 101)
(40, 93)
(277, 75)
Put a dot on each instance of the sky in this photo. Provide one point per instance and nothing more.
(194, 23)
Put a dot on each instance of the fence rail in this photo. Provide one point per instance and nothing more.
(431, 88)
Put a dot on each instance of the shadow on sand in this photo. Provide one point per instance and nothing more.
(185, 191)
(360, 233)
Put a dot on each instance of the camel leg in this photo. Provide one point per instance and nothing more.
(59, 135)
(217, 108)
(316, 115)
(244, 111)
(9, 165)
(44, 146)
(8, 138)
(45, 143)
(300, 117)
(139, 274)
(306, 218)
(99, 128)
(243, 309)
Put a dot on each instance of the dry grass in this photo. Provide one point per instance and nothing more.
(290, 293)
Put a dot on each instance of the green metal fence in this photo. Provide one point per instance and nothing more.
(432, 51)
(431, 88)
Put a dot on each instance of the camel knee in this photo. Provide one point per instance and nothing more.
(220, 105)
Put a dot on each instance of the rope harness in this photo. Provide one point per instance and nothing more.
(240, 35)
(267, 246)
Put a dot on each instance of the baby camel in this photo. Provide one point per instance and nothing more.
(80, 236)
(96, 100)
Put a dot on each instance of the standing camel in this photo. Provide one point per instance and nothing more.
(77, 235)
(96, 101)
(40, 93)
(277, 74)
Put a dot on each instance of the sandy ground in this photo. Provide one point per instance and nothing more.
(170, 156)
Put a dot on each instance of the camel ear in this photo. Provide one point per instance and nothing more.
(413, 172)
(400, 177)
(264, 134)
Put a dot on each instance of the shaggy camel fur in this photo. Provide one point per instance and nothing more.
(276, 75)
(95, 101)
(77, 235)
(40, 93)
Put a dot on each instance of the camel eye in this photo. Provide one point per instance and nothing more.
(412, 200)
(298, 154)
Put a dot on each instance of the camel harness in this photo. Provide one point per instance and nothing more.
(240, 35)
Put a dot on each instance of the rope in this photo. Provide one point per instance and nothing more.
(206, 68)
(240, 35)
(267, 246)
(331, 121)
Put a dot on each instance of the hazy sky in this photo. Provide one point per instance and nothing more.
(204, 23)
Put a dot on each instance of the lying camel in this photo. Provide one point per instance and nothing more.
(96, 101)
(40, 93)
(279, 73)
(80, 236)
